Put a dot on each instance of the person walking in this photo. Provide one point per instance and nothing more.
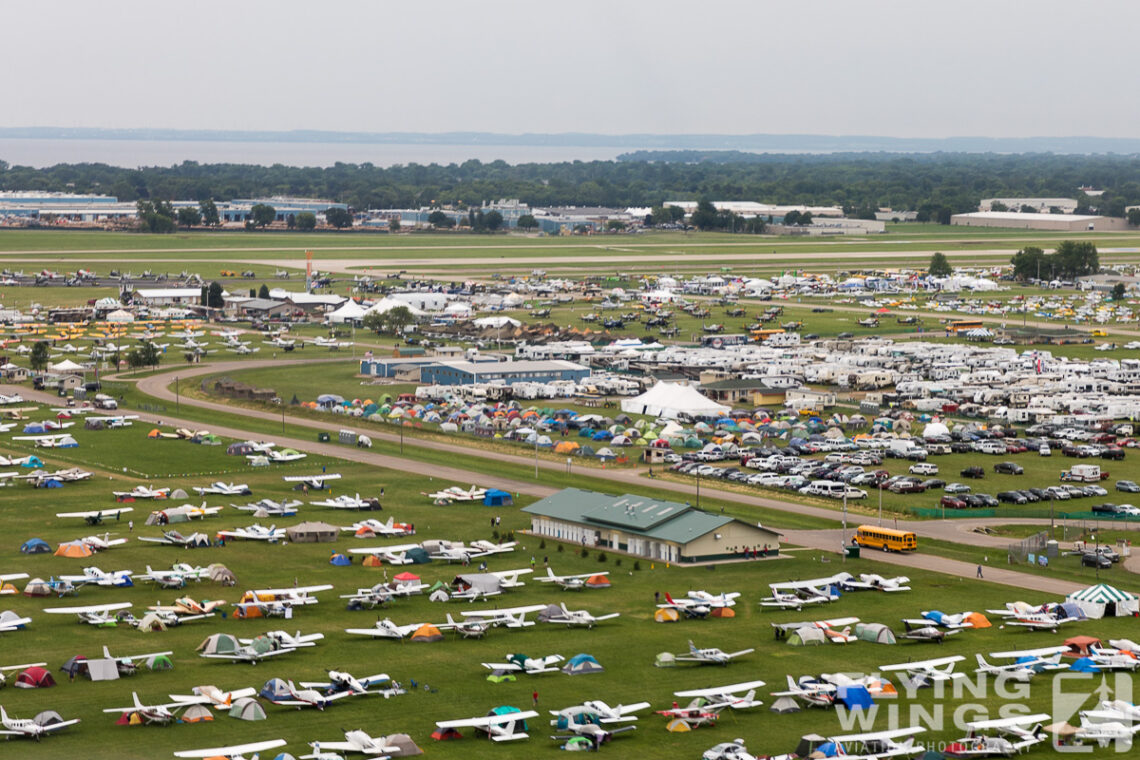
(534, 699)
(979, 571)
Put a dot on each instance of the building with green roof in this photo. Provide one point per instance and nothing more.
(663, 530)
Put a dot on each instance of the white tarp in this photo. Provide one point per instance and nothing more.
(671, 401)
(351, 310)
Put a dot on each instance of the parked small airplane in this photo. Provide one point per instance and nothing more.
(455, 493)
(255, 532)
(377, 528)
(96, 517)
(513, 617)
(308, 697)
(915, 631)
(837, 630)
(383, 593)
(233, 752)
(393, 555)
(316, 482)
(879, 745)
(733, 750)
(814, 692)
(738, 696)
(468, 629)
(500, 728)
(571, 618)
(212, 696)
(879, 583)
(926, 672)
(520, 663)
(28, 728)
(386, 629)
(354, 741)
(342, 681)
(345, 501)
(710, 656)
(247, 653)
(1027, 663)
(176, 576)
(1107, 732)
(174, 538)
(1014, 736)
(92, 614)
(330, 343)
(142, 492)
(271, 508)
(568, 582)
(158, 714)
(699, 604)
(224, 489)
(95, 576)
(457, 551)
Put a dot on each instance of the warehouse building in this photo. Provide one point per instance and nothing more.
(1043, 205)
(508, 372)
(661, 530)
(1054, 222)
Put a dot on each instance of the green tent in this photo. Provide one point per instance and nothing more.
(159, 662)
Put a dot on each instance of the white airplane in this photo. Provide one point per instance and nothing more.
(377, 528)
(520, 663)
(247, 653)
(468, 629)
(383, 593)
(330, 343)
(243, 349)
(1114, 710)
(699, 604)
(233, 752)
(815, 692)
(1028, 663)
(1113, 659)
(456, 550)
(275, 601)
(926, 672)
(159, 714)
(69, 475)
(176, 576)
(92, 614)
(186, 334)
(142, 492)
(285, 640)
(96, 576)
(6, 399)
(500, 728)
(513, 617)
(309, 697)
(255, 532)
(342, 681)
(347, 502)
(837, 630)
(279, 342)
(942, 620)
(733, 750)
(571, 618)
(99, 543)
(8, 577)
(174, 538)
(187, 608)
(597, 712)
(281, 456)
(879, 583)
(393, 555)
(1107, 732)
(97, 516)
(316, 482)
(1124, 645)
(738, 696)
(710, 656)
(284, 508)
(919, 630)
(45, 441)
(880, 745)
(455, 493)
(28, 728)
(568, 582)
(223, 489)
(1014, 736)
(117, 421)
(1043, 618)
(594, 732)
(212, 696)
(354, 741)
(786, 598)
(386, 629)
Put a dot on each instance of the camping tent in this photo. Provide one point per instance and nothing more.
(372, 561)
(340, 560)
(853, 696)
(1081, 645)
(77, 665)
(35, 546)
(664, 660)
(666, 615)
(496, 498)
(581, 664)
(159, 662)
(401, 745)
(247, 708)
(74, 550)
(312, 532)
(37, 587)
(672, 401)
(34, 678)
(808, 635)
(219, 643)
(427, 633)
(275, 689)
(197, 714)
(598, 581)
(785, 705)
(1103, 600)
(876, 633)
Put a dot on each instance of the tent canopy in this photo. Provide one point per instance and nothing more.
(672, 401)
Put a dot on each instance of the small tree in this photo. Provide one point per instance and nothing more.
(940, 265)
(527, 222)
(1134, 217)
(615, 225)
(397, 318)
(705, 217)
(262, 214)
(439, 219)
(373, 321)
(1118, 292)
(209, 210)
(393, 225)
(39, 356)
(338, 217)
(306, 220)
(493, 221)
(214, 297)
(188, 217)
(263, 292)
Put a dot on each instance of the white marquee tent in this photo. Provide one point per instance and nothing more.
(670, 400)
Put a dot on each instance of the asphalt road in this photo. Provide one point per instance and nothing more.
(955, 530)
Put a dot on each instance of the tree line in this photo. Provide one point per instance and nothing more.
(934, 185)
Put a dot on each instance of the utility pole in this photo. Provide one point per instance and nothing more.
(176, 396)
(843, 549)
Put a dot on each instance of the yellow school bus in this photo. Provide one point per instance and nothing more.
(887, 539)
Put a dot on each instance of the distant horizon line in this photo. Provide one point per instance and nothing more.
(753, 142)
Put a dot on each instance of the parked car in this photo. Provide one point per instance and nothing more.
(1127, 485)
(904, 485)
(1112, 452)
(930, 483)
(1012, 497)
(973, 472)
(1009, 468)
(1091, 559)
(1045, 451)
(952, 502)
(923, 468)
(957, 488)
(987, 499)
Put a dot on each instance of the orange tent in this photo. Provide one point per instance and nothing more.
(666, 615)
(245, 613)
(365, 532)
(372, 561)
(74, 550)
(723, 612)
(978, 620)
(598, 581)
(427, 633)
(154, 433)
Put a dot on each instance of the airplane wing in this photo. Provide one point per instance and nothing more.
(1043, 652)
(893, 734)
(1020, 720)
(721, 690)
(96, 513)
(87, 609)
(236, 749)
(741, 653)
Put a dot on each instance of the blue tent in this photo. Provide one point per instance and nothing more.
(581, 664)
(1084, 665)
(53, 483)
(275, 689)
(339, 560)
(934, 616)
(496, 498)
(855, 696)
(34, 428)
(33, 461)
(35, 546)
(829, 749)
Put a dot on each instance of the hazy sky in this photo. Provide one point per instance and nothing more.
(913, 68)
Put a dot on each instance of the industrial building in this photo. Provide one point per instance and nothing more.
(768, 211)
(1043, 205)
(661, 530)
(508, 372)
(1055, 222)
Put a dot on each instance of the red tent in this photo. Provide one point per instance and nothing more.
(443, 734)
(34, 678)
(406, 576)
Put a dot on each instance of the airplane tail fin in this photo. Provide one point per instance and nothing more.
(107, 653)
(692, 647)
(3, 715)
(669, 598)
(138, 704)
(750, 696)
(792, 685)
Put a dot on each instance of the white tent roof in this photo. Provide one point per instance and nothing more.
(66, 366)
(496, 322)
(119, 315)
(387, 304)
(349, 310)
(670, 400)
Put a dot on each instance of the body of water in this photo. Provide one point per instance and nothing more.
(135, 153)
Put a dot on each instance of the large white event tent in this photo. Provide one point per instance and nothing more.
(671, 401)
